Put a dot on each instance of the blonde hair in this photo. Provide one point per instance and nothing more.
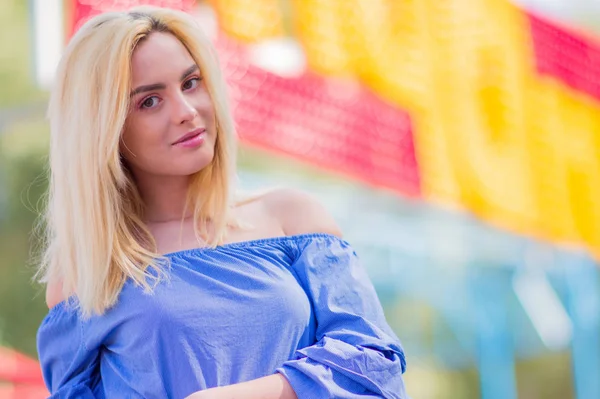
(94, 234)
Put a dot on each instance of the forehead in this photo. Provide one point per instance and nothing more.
(158, 58)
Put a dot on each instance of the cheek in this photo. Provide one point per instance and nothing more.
(127, 144)
(204, 105)
(143, 131)
(138, 139)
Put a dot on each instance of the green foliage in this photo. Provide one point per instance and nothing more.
(16, 63)
(21, 164)
(22, 304)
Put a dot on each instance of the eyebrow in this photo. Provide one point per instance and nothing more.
(162, 86)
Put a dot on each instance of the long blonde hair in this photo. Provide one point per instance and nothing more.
(94, 234)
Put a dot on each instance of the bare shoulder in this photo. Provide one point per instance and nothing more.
(299, 212)
(54, 294)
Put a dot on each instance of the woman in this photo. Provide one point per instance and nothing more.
(161, 282)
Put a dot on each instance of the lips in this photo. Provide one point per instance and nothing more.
(190, 135)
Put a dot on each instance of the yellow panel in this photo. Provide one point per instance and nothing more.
(566, 154)
(477, 103)
(322, 26)
(523, 150)
(250, 20)
(492, 136)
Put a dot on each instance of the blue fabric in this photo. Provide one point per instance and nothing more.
(302, 306)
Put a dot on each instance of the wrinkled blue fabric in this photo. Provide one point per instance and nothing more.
(302, 306)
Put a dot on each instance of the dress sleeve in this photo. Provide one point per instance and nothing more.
(70, 369)
(356, 354)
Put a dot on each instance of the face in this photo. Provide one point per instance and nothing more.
(171, 127)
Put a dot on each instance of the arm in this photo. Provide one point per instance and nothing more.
(70, 369)
(356, 353)
(271, 387)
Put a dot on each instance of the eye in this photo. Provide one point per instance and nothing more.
(149, 102)
(191, 84)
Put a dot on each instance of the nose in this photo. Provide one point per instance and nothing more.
(183, 110)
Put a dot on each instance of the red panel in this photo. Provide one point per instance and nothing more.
(23, 392)
(337, 125)
(18, 368)
(85, 9)
(566, 55)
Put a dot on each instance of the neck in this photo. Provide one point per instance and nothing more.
(164, 197)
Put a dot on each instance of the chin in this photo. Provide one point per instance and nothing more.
(195, 167)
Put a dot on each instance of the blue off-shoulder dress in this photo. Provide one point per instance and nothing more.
(302, 306)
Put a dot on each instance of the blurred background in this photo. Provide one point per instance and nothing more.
(457, 143)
